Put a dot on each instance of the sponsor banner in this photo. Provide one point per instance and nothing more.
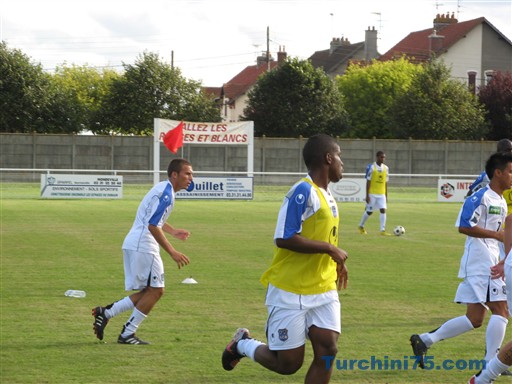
(60, 186)
(238, 133)
(349, 190)
(452, 190)
(232, 188)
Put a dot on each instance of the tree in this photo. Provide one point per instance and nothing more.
(23, 92)
(152, 89)
(496, 96)
(370, 91)
(438, 107)
(295, 99)
(80, 93)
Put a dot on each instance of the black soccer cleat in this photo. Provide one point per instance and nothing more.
(131, 339)
(100, 321)
(230, 356)
(419, 349)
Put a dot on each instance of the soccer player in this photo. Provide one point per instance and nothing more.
(500, 363)
(504, 145)
(143, 266)
(481, 220)
(302, 299)
(377, 177)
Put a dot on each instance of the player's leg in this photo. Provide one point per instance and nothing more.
(473, 292)
(324, 328)
(147, 273)
(496, 328)
(103, 314)
(495, 367)
(366, 214)
(284, 362)
(324, 342)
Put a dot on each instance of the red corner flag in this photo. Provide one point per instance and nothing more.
(173, 139)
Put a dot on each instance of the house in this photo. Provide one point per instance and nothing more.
(233, 95)
(335, 60)
(474, 49)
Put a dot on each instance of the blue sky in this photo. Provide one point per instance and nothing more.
(213, 40)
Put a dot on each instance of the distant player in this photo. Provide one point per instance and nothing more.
(377, 177)
(504, 145)
(481, 220)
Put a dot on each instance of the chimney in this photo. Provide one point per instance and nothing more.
(281, 55)
(337, 42)
(262, 60)
(370, 44)
(443, 20)
(435, 42)
(472, 81)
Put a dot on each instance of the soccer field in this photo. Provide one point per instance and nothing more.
(397, 286)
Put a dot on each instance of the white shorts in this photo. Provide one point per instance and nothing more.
(480, 289)
(288, 328)
(142, 270)
(376, 202)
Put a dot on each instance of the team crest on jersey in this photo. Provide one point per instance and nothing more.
(283, 334)
(494, 210)
(299, 199)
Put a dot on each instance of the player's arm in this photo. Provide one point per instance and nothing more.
(159, 235)
(298, 243)
(181, 234)
(498, 269)
(481, 233)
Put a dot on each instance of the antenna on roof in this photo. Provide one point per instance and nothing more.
(380, 21)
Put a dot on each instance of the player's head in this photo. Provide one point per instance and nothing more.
(504, 145)
(498, 160)
(316, 148)
(176, 165)
(380, 156)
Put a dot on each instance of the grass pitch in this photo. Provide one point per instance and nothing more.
(397, 286)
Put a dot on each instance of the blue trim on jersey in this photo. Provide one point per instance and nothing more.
(369, 171)
(297, 204)
(481, 181)
(165, 200)
(467, 218)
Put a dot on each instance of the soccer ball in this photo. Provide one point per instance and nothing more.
(399, 230)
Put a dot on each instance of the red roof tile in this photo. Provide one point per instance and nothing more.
(241, 83)
(417, 44)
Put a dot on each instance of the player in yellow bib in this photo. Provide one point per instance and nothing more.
(302, 299)
(377, 177)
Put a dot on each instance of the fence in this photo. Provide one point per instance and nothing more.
(23, 157)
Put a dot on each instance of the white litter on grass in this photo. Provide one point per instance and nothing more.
(189, 280)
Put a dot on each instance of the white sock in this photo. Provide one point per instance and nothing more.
(494, 335)
(363, 219)
(382, 222)
(118, 307)
(247, 347)
(133, 323)
(454, 327)
(492, 370)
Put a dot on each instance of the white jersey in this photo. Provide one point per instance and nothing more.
(485, 209)
(154, 209)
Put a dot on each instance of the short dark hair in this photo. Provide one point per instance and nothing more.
(176, 165)
(498, 160)
(316, 148)
(379, 153)
(504, 145)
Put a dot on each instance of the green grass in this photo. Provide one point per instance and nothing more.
(397, 286)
